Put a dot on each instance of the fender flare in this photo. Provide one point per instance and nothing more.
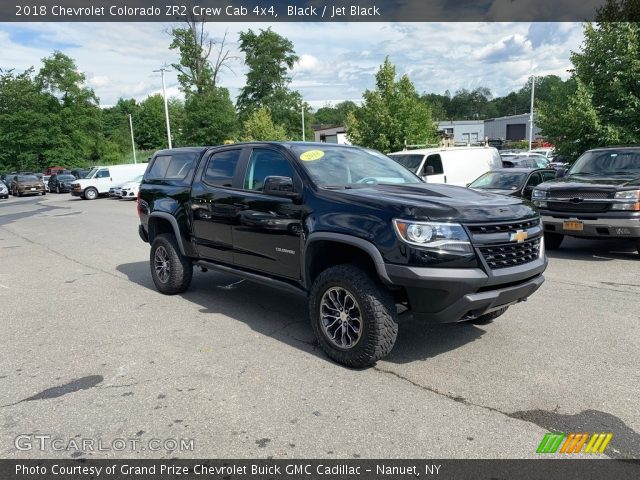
(174, 224)
(358, 242)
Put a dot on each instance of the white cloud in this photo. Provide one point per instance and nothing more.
(338, 61)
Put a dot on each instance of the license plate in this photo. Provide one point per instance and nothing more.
(33, 188)
(575, 225)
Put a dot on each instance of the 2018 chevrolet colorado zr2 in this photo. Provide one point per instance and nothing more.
(348, 227)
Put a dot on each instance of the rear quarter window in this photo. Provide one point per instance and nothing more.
(171, 167)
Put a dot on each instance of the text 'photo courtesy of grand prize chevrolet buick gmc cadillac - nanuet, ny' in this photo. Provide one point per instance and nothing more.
(361, 236)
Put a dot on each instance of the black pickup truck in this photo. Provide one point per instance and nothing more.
(359, 235)
(598, 198)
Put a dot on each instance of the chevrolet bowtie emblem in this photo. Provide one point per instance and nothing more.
(520, 236)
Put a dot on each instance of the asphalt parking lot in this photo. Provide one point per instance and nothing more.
(92, 351)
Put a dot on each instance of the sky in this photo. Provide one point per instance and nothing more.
(338, 61)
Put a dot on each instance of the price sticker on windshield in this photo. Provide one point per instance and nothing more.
(312, 155)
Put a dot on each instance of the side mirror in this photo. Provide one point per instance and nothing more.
(279, 187)
(429, 170)
(561, 172)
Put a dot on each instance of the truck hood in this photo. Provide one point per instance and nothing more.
(439, 202)
(578, 182)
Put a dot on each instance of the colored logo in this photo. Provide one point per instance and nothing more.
(574, 442)
(520, 236)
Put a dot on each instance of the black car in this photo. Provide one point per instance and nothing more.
(599, 197)
(348, 228)
(525, 161)
(61, 183)
(517, 182)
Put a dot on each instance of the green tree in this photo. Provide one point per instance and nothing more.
(269, 57)
(334, 115)
(25, 123)
(74, 111)
(260, 127)
(210, 118)
(209, 114)
(391, 115)
(605, 108)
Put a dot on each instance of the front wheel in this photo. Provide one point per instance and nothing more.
(170, 270)
(91, 193)
(552, 241)
(353, 316)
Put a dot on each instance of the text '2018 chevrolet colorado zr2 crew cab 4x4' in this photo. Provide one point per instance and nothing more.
(348, 227)
(599, 197)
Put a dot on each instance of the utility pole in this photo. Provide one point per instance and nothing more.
(133, 143)
(303, 133)
(533, 89)
(166, 106)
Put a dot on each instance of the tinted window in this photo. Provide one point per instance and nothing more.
(548, 176)
(263, 164)
(221, 168)
(410, 161)
(534, 180)
(103, 173)
(436, 162)
(180, 165)
(159, 167)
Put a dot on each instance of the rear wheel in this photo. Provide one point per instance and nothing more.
(552, 241)
(353, 316)
(170, 270)
(91, 193)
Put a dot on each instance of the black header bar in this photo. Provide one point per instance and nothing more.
(299, 10)
(297, 469)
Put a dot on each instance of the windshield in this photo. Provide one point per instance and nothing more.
(91, 173)
(137, 179)
(27, 178)
(66, 177)
(410, 161)
(500, 180)
(346, 166)
(608, 162)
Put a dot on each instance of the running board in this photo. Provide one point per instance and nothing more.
(253, 277)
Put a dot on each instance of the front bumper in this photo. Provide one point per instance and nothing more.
(448, 295)
(76, 193)
(618, 225)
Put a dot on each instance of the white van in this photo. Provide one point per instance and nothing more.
(455, 165)
(100, 179)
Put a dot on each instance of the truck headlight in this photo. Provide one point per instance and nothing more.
(447, 237)
(631, 200)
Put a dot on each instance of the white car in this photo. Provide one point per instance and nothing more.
(129, 190)
(115, 192)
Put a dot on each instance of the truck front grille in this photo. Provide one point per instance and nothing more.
(578, 207)
(504, 227)
(584, 194)
(511, 254)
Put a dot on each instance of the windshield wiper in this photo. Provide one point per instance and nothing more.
(337, 187)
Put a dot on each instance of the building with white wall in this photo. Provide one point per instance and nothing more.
(463, 131)
(511, 128)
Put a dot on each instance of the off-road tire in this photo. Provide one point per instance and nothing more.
(90, 193)
(552, 241)
(378, 311)
(488, 317)
(180, 267)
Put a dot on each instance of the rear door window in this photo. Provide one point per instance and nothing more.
(221, 168)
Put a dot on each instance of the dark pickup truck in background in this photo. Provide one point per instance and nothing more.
(599, 198)
(356, 233)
